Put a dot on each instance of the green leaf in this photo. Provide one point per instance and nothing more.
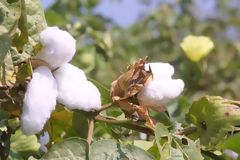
(72, 148)
(24, 145)
(5, 45)
(14, 155)
(233, 143)
(145, 145)
(7, 76)
(24, 72)
(214, 117)
(60, 125)
(105, 93)
(10, 13)
(110, 149)
(160, 132)
(80, 124)
(35, 19)
(154, 151)
(20, 40)
(27, 18)
(190, 149)
(54, 18)
(138, 153)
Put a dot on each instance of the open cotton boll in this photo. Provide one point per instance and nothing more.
(58, 46)
(70, 73)
(162, 88)
(39, 101)
(74, 91)
(159, 92)
(160, 69)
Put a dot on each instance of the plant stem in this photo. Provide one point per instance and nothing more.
(125, 123)
(187, 131)
(90, 130)
(104, 107)
(211, 155)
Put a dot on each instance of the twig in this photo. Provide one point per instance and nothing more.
(187, 131)
(90, 130)
(104, 107)
(125, 123)
(211, 155)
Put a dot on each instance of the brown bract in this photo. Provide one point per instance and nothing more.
(124, 91)
(38, 62)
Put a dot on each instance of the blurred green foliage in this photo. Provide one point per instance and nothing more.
(104, 46)
(104, 50)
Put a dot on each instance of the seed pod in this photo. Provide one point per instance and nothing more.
(58, 47)
(215, 118)
(74, 90)
(39, 101)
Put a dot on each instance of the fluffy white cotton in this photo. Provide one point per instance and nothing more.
(74, 90)
(160, 70)
(39, 101)
(162, 88)
(58, 46)
(70, 73)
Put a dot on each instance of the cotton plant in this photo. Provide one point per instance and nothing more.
(67, 85)
(149, 84)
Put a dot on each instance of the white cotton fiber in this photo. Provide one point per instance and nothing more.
(75, 91)
(162, 88)
(69, 73)
(58, 47)
(159, 69)
(39, 101)
(158, 93)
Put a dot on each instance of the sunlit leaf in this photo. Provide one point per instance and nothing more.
(190, 149)
(233, 143)
(60, 125)
(72, 148)
(5, 45)
(109, 149)
(24, 145)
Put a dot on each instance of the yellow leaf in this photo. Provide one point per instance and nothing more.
(196, 47)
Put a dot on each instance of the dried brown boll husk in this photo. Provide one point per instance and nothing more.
(127, 86)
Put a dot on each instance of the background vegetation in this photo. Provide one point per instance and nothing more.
(104, 50)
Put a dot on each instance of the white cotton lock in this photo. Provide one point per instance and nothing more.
(69, 73)
(160, 70)
(75, 91)
(39, 101)
(159, 91)
(59, 47)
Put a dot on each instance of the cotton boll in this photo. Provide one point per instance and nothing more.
(162, 88)
(70, 73)
(58, 46)
(158, 92)
(160, 70)
(39, 101)
(74, 91)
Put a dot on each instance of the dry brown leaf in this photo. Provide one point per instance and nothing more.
(38, 62)
(127, 86)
